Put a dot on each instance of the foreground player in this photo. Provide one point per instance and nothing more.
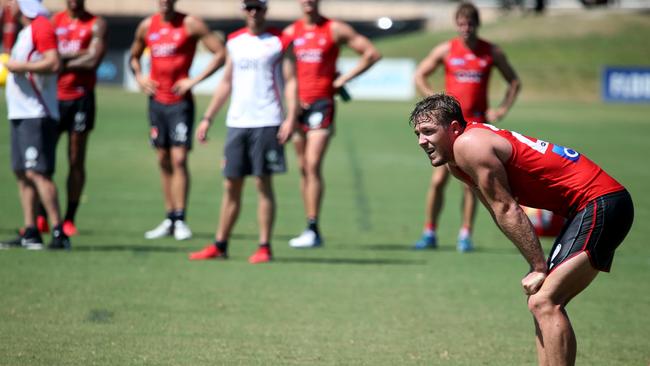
(82, 45)
(172, 37)
(256, 125)
(468, 62)
(316, 42)
(33, 114)
(506, 169)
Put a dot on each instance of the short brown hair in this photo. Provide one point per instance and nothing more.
(441, 107)
(469, 11)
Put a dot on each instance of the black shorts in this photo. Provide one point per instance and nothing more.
(253, 151)
(317, 116)
(598, 229)
(33, 144)
(171, 124)
(77, 115)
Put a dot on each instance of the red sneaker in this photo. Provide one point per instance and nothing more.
(69, 228)
(261, 255)
(42, 225)
(209, 252)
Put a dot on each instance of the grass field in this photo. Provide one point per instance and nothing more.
(363, 299)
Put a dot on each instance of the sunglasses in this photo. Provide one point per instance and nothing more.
(253, 7)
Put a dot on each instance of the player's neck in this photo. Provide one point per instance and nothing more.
(257, 29)
(168, 16)
(77, 13)
(470, 43)
(312, 19)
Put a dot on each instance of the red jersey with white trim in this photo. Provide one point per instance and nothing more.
(172, 50)
(9, 28)
(549, 176)
(74, 36)
(316, 54)
(467, 73)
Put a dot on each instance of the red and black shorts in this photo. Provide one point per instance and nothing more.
(598, 229)
(171, 124)
(317, 116)
(77, 115)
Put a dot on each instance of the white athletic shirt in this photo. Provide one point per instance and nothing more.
(31, 95)
(257, 81)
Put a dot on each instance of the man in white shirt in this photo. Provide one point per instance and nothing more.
(33, 113)
(254, 75)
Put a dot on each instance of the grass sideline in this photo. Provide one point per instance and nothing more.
(364, 299)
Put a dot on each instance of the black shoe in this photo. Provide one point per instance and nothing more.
(59, 239)
(29, 239)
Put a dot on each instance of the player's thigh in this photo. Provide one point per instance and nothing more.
(317, 143)
(568, 280)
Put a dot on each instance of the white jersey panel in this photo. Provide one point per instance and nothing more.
(257, 82)
(30, 95)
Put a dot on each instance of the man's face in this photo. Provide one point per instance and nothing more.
(255, 14)
(466, 27)
(309, 6)
(166, 5)
(434, 139)
(75, 4)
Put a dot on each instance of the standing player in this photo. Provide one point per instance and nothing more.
(468, 61)
(506, 169)
(33, 114)
(81, 42)
(316, 42)
(9, 27)
(257, 127)
(172, 37)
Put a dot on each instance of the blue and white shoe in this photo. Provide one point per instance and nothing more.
(465, 245)
(427, 241)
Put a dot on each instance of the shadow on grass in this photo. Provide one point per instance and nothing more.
(354, 261)
(442, 248)
(132, 248)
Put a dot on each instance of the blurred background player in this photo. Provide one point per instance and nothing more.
(316, 41)
(82, 45)
(33, 113)
(468, 61)
(9, 26)
(257, 125)
(171, 38)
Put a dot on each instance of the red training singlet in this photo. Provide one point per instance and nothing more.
(172, 51)
(550, 176)
(316, 54)
(9, 28)
(467, 73)
(74, 36)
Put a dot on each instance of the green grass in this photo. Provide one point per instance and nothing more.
(364, 299)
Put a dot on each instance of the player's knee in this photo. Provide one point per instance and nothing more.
(179, 162)
(541, 306)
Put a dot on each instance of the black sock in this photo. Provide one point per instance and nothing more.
(40, 210)
(266, 246)
(72, 210)
(31, 232)
(171, 216)
(221, 245)
(57, 231)
(312, 224)
(178, 215)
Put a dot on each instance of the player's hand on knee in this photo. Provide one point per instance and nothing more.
(533, 282)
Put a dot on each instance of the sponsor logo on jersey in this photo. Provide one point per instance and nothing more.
(566, 153)
(456, 61)
(60, 31)
(464, 76)
(163, 49)
(69, 46)
(299, 42)
(154, 37)
(310, 55)
(247, 64)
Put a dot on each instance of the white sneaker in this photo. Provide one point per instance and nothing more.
(160, 231)
(308, 239)
(181, 230)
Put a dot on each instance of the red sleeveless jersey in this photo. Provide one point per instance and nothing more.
(172, 51)
(316, 54)
(74, 36)
(549, 176)
(467, 73)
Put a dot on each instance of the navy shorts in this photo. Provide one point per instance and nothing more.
(598, 229)
(253, 151)
(77, 115)
(317, 116)
(33, 144)
(171, 124)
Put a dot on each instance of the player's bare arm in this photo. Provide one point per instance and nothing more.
(511, 78)
(198, 29)
(343, 33)
(480, 155)
(137, 49)
(290, 97)
(428, 66)
(91, 58)
(219, 98)
(50, 63)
